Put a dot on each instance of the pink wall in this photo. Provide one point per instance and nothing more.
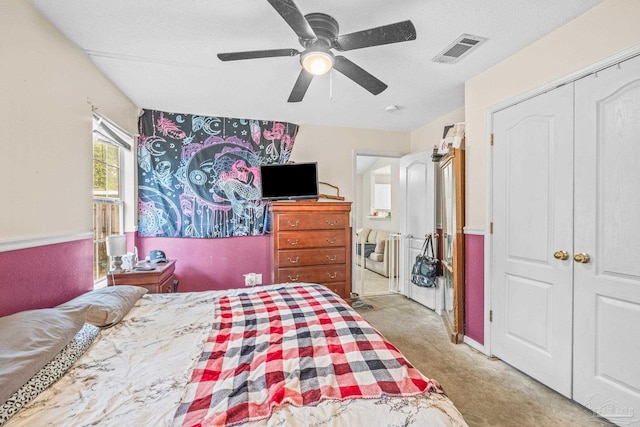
(206, 264)
(474, 288)
(44, 276)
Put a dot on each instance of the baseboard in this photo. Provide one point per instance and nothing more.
(474, 344)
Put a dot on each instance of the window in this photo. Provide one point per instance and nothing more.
(381, 192)
(108, 143)
(382, 197)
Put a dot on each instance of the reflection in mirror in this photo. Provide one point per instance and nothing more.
(375, 249)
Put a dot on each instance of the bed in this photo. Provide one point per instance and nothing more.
(278, 355)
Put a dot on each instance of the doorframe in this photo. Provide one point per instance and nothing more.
(356, 193)
(594, 68)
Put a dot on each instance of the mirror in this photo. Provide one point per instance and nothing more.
(452, 221)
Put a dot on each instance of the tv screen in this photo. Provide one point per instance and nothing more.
(291, 181)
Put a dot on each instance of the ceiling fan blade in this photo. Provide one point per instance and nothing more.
(358, 75)
(392, 33)
(235, 56)
(296, 20)
(301, 86)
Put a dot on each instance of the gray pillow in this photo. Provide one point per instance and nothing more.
(107, 306)
(30, 339)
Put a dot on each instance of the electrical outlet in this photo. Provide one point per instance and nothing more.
(250, 279)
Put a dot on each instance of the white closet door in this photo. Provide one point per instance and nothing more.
(531, 294)
(417, 198)
(607, 229)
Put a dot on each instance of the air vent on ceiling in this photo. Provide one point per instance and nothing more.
(459, 48)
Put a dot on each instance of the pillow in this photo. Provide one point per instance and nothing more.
(376, 257)
(31, 339)
(368, 249)
(50, 373)
(362, 235)
(379, 247)
(107, 306)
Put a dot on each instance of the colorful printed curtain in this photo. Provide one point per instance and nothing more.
(200, 176)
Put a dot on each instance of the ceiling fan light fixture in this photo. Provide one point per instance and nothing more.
(317, 62)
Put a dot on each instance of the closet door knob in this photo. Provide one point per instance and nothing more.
(582, 258)
(561, 255)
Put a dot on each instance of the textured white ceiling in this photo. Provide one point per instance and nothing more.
(162, 54)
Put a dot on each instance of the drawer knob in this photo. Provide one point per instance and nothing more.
(332, 223)
(331, 241)
(291, 279)
(332, 258)
(294, 261)
(332, 276)
(293, 224)
(293, 243)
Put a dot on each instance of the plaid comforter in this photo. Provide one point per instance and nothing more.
(299, 345)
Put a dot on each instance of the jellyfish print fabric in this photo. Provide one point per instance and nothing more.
(200, 176)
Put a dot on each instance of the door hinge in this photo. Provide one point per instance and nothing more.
(492, 140)
(490, 315)
(491, 228)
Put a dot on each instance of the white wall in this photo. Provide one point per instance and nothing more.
(599, 33)
(46, 87)
(333, 149)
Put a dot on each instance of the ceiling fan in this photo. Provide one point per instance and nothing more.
(318, 34)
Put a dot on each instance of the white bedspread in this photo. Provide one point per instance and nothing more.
(135, 374)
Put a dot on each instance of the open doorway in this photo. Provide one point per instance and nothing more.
(375, 223)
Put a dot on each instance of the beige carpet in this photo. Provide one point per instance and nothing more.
(370, 283)
(487, 392)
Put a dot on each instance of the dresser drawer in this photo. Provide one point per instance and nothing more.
(337, 288)
(317, 221)
(295, 258)
(167, 286)
(313, 274)
(316, 239)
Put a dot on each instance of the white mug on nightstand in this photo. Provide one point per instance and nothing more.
(129, 261)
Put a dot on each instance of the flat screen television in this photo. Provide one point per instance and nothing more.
(292, 181)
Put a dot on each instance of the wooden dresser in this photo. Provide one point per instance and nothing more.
(312, 243)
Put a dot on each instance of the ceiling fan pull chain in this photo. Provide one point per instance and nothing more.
(330, 84)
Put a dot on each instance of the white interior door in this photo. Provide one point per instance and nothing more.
(417, 198)
(607, 228)
(531, 290)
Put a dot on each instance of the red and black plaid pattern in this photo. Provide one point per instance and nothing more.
(294, 345)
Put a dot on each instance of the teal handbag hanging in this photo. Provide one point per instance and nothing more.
(423, 273)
